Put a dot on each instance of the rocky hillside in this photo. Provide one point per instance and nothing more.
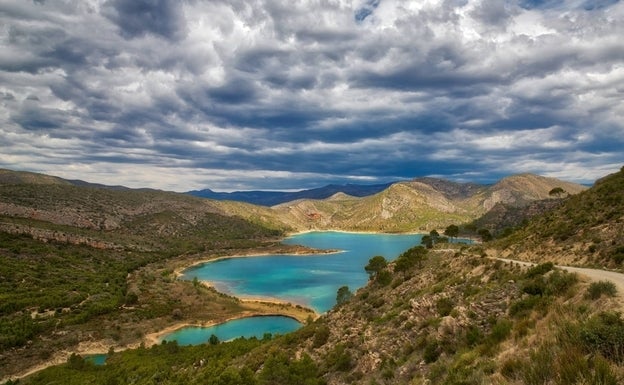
(519, 190)
(48, 208)
(419, 205)
(587, 229)
(446, 317)
(422, 204)
(503, 218)
(401, 207)
(84, 265)
(460, 318)
(452, 315)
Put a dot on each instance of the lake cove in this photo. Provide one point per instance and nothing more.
(309, 280)
(247, 327)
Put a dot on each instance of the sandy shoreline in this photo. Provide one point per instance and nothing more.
(178, 271)
(299, 312)
(156, 338)
(311, 253)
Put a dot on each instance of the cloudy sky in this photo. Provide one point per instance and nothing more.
(281, 94)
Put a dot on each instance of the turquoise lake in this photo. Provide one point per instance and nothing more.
(243, 327)
(309, 280)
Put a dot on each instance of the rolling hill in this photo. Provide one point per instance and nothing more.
(82, 264)
(418, 205)
(421, 204)
(451, 315)
(586, 229)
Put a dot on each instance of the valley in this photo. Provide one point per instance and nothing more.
(109, 258)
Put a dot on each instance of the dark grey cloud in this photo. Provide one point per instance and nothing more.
(274, 94)
(366, 10)
(136, 18)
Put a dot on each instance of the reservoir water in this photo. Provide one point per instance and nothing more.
(309, 280)
(242, 327)
(96, 359)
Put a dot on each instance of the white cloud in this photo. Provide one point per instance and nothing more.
(310, 91)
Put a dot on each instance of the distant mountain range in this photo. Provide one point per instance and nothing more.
(420, 204)
(272, 198)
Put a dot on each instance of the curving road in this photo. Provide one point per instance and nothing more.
(592, 274)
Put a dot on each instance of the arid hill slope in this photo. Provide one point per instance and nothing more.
(419, 205)
(47, 208)
(587, 229)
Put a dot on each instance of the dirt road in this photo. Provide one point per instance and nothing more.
(592, 274)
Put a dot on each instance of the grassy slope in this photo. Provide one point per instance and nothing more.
(588, 229)
(459, 318)
(84, 264)
(400, 208)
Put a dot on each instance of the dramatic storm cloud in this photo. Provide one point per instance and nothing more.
(275, 94)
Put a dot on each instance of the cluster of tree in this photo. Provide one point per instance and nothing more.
(468, 230)
(377, 265)
(211, 364)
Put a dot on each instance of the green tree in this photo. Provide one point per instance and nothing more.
(427, 240)
(375, 265)
(343, 295)
(557, 191)
(76, 362)
(410, 258)
(452, 231)
(485, 235)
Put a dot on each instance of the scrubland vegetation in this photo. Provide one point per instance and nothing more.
(447, 318)
(441, 313)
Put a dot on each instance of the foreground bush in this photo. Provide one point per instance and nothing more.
(597, 289)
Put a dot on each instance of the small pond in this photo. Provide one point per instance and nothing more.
(243, 327)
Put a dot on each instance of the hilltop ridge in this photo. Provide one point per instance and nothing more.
(421, 204)
(586, 229)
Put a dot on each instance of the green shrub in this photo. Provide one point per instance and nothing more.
(535, 286)
(431, 352)
(604, 334)
(321, 335)
(618, 255)
(339, 358)
(410, 258)
(522, 307)
(444, 306)
(384, 278)
(473, 336)
(560, 282)
(500, 330)
(540, 269)
(597, 289)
